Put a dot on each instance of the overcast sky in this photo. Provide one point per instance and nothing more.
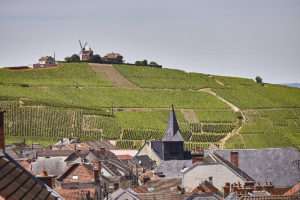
(243, 38)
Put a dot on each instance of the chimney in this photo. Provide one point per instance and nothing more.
(268, 187)
(97, 168)
(234, 158)
(102, 151)
(226, 189)
(152, 144)
(45, 178)
(2, 139)
(197, 156)
(258, 187)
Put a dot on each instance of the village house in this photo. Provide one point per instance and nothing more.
(45, 61)
(213, 169)
(114, 58)
(276, 165)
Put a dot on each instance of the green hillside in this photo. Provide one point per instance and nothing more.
(72, 100)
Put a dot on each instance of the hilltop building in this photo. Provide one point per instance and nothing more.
(45, 61)
(114, 57)
(86, 53)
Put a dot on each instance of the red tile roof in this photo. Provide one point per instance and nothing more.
(122, 157)
(294, 190)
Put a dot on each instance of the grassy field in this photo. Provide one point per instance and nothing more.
(66, 74)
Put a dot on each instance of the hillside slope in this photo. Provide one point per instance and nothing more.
(76, 100)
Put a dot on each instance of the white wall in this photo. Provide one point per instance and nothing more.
(218, 171)
(146, 150)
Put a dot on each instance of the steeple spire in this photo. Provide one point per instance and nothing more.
(172, 132)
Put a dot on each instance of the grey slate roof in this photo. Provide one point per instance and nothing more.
(263, 165)
(53, 166)
(172, 168)
(203, 197)
(145, 161)
(214, 158)
(172, 133)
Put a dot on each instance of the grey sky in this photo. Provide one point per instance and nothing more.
(242, 38)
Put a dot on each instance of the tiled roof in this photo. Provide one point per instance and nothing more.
(45, 58)
(53, 166)
(263, 165)
(17, 183)
(124, 157)
(294, 190)
(203, 197)
(72, 167)
(145, 161)
(231, 166)
(139, 189)
(113, 55)
(162, 184)
(172, 168)
(161, 195)
(272, 197)
(54, 153)
(172, 133)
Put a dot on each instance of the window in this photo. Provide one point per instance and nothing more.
(75, 177)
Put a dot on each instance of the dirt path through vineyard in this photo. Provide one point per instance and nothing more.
(190, 115)
(109, 73)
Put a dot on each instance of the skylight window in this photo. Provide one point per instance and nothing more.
(75, 177)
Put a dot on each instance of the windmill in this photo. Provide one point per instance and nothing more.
(85, 51)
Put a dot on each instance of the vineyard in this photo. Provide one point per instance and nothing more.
(151, 77)
(56, 123)
(257, 96)
(93, 98)
(72, 100)
(66, 74)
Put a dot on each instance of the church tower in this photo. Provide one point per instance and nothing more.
(172, 140)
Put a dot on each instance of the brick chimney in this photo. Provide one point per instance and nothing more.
(45, 178)
(226, 189)
(2, 139)
(102, 151)
(197, 156)
(97, 168)
(234, 158)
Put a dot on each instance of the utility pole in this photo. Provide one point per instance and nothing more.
(112, 108)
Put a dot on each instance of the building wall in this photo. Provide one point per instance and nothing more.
(146, 150)
(219, 173)
(173, 150)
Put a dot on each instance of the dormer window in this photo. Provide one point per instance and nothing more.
(75, 177)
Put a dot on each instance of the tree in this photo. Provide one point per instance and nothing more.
(144, 62)
(258, 79)
(95, 59)
(153, 64)
(138, 62)
(75, 58)
(68, 59)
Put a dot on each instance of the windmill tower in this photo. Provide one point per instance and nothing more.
(86, 51)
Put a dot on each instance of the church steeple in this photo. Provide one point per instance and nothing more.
(172, 133)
